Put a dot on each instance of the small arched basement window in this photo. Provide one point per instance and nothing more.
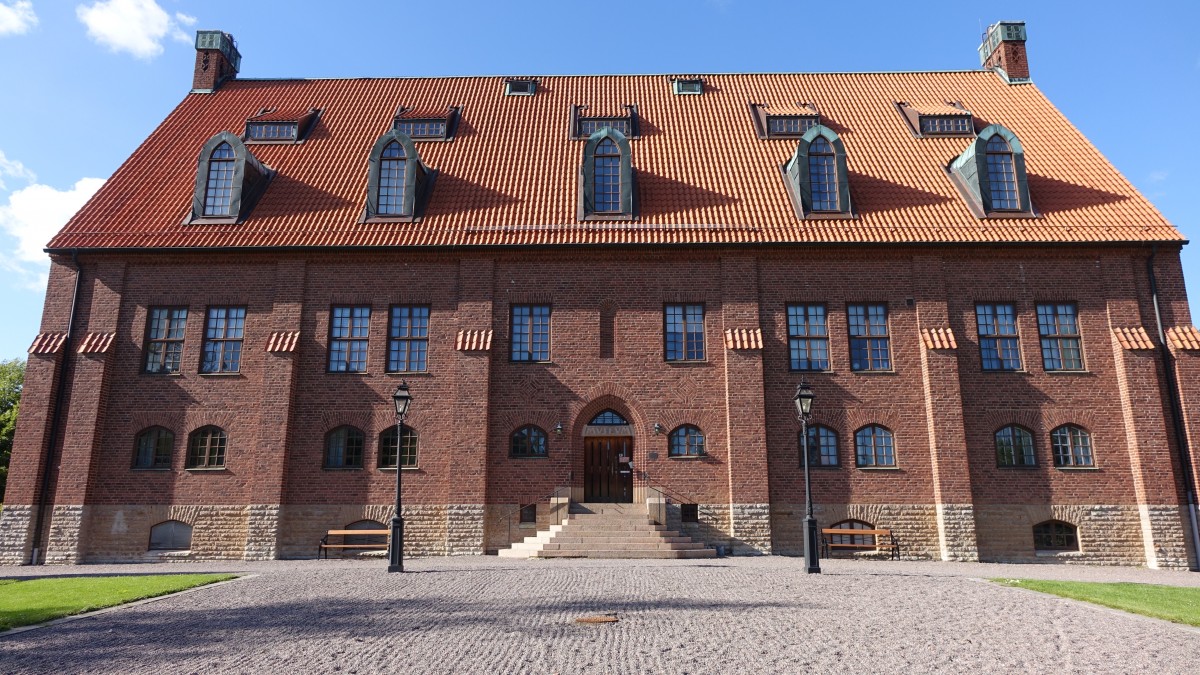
(1055, 535)
(855, 539)
(229, 180)
(171, 535)
(365, 539)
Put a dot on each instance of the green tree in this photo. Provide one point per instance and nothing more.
(12, 379)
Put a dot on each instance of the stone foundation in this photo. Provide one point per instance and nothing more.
(67, 535)
(16, 534)
(302, 526)
(464, 529)
(1165, 536)
(751, 529)
(956, 532)
(914, 525)
(121, 533)
(262, 532)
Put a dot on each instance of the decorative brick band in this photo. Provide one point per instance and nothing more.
(48, 343)
(1184, 337)
(283, 341)
(96, 343)
(938, 338)
(1133, 339)
(473, 341)
(743, 338)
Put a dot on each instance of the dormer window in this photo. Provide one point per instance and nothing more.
(520, 87)
(940, 119)
(786, 122)
(425, 125)
(398, 183)
(606, 178)
(586, 126)
(817, 178)
(990, 175)
(687, 87)
(229, 180)
(272, 125)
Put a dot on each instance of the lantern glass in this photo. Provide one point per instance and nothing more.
(402, 399)
(803, 399)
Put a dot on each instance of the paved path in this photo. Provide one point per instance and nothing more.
(490, 615)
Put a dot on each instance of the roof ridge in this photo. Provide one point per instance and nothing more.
(586, 75)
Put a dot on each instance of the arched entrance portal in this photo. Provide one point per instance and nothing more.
(608, 459)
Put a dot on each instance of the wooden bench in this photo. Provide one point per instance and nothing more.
(884, 540)
(325, 545)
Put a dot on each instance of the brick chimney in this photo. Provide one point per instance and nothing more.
(217, 60)
(1003, 50)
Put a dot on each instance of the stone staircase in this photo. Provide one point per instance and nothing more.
(608, 531)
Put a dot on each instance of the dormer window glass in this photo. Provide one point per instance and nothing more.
(391, 180)
(271, 131)
(946, 125)
(822, 171)
(1001, 177)
(422, 129)
(274, 126)
(608, 177)
(943, 118)
(790, 125)
(817, 178)
(590, 125)
(990, 175)
(427, 124)
(218, 192)
(520, 87)
(687, 87)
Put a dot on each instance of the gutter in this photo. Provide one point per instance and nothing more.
(1185, 456)
(60, 381)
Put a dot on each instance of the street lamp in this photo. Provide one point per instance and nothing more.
(403, 400)
(804, 400)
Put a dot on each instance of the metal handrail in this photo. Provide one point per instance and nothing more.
(557, 511)
(671, 493)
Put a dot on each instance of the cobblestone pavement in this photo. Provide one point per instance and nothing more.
(491, 615)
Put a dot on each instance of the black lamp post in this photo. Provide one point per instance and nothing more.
(804, 400)
(403, 400)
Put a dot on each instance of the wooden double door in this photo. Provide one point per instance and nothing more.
(608, 469)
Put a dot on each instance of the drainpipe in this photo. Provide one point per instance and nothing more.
(1185, 455)
(60, 382)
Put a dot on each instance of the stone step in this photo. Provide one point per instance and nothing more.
(573, 526)
(597, 539)
(623, 546)
(617, 553)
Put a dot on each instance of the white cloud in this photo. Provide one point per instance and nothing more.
(135, 26)
(16, 17)
(1159, 176)
(11, 168)
(32, 216)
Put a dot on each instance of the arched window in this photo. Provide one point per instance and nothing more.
(365, 539)
(171, 535)
(344, 448)
(391, 180)
(607, 176)
(1055, 535)
(529, 441)
(229, 179)
(206, 448)
(406, 448)
(1002, 177)
(822, 446)
(153, 449)
(818, 180)
(873, 446)
(1072, 446)
(397, 181)
(686, 441)
(218, 191)
(854, 539)
(1014, 447)
(608, 418)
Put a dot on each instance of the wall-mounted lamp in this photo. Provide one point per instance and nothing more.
(558, 429)
(658, 429)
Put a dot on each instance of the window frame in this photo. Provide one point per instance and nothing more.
(817, 430)
(798, 177)
(393, 340)
(1039, 538)
(209, 459)
(165, 341)
(160, 459)
(173, 523)
(249, 181)
(1060, 338)
(890, 366)
(998, 337)
(513, 86)
(1029, 454)
(890, 445)
(586, 207)
(970, 174)
(807, 336)
(348, 431)
(530, 337)
(1087, 446)
(366, 349)
(223, 341)
(384, 437)
(684, 341)
(692, 449)
(418, 182)
(533, 431)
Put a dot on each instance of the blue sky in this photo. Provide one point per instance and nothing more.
(85, 82)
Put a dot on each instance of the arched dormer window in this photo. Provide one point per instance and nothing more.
(229, 180)
(398, 183)
(990, 174)
(817, 176)
(606, 177)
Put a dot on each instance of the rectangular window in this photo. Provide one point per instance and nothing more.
(348, 331)
(1058, 327)
(869, 341)
(998, 341)
(529, 513)
(531, 332)
(808, 338)
(950, 124)
(790, 125)
(164, 339)
(408, 339)
(223, 340)
(422, 128)
(271, 131)
(684, 332)
(590, 125)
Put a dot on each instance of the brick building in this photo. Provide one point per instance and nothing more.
(612, 284)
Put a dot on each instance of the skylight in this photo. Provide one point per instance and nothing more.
(520, 87)
(687, 87)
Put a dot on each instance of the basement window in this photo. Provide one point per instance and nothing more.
(786, 122)
(529, 514)
(520, 87)
(938, 119)
(426, 125)
(687, 87)
(271, 125)
(586, 125)
(689, 513)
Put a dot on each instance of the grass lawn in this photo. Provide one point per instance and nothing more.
(37, 600)
(1173, 603)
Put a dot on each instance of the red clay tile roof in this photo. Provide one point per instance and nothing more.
(48, 343)
(290, 114)
(938, 338)
(1132, 339)
(938, 109)
(703, 176)
(1184, 337)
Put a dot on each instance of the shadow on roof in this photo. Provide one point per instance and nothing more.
(1050, 195)
(455, 194)
(878, 195)
(287, 196)
(661, 194)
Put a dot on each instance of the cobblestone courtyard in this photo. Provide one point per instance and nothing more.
(488, 615)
